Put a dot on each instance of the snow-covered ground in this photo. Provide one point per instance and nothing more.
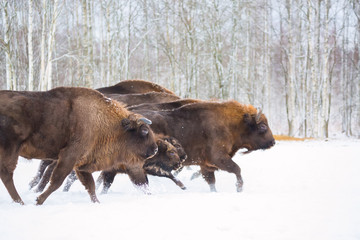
(296, 190)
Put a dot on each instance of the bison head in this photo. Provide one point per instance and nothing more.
(257, 132)
(179, 148)
(140, 136)
(166, 160)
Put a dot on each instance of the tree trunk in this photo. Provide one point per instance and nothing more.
(290, 90)
(10, 76)
(85, 43)
(325, 89)
(51, 42)
(30, 48)
(90, 78)
(42, 47)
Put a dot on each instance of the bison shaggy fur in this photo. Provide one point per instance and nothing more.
(167, 159)
(78, 127)
(134, 86)
(212, 132)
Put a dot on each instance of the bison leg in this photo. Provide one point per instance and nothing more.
(177, 181)
(87, 180)
(46, 177)
(195, 175)
(138, 177)
(6, 175)
(176, 172)
(63, 168)
(209, 176)
(40, 172)
(108, 178)
(230, 166)
(70, 180)
(99, 180)
(159, 172)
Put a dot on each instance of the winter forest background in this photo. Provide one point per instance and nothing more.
(296, 59)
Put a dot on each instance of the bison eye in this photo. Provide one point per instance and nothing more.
(172, 153)
(144, 132)
(262, 128)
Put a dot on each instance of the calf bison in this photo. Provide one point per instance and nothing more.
(134, 86)
(212, 132)
(167, 159)
(78, 127)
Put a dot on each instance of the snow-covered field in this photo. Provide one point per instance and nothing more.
(296, 190)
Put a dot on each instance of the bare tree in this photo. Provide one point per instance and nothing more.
(11, 82)
(30, 48)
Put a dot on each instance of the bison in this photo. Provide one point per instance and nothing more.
(212, 132)
(139, 98)
(78, 127)
(128, 99)
(134, 86)
(164, 105)
(167, 159)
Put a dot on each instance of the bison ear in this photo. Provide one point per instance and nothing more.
(247, 118)
(172, 141)
(249, 121)
(161, 145)
(126, 123)
(166, 139)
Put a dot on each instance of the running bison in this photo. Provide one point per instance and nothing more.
(139, 98)
(167, 159)
(78, 127)
(212, 132)
(163, 105)
(134, 86)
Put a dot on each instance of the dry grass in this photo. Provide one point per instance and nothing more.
(288, 138)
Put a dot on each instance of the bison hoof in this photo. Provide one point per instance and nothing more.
(94, 199)
(19, 201)
(239, 187)
(212, 188)
(39, 201)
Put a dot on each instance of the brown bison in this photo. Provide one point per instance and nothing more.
(164, 105)
(212, 132)
(167, 159)
(78, 127)
(46, 166)
(134, 86)
(139, 98)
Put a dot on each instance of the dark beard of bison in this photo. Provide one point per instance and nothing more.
(249, 148)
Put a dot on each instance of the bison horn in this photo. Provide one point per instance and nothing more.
(145, 120)
(258, 115)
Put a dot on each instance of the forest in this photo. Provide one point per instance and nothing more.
(297, 60)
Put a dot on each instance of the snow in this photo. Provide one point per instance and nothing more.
(296, 190)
